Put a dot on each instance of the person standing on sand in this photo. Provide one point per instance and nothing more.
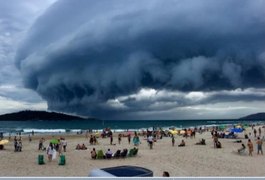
(64, 143)
(250, 147)
(259, 146)
(215, 140)
(259, 131)
(255, 132)
(150, 141)
(119, 138)
(111, 139)
(129, 138)
(173, 140)
(50, 152)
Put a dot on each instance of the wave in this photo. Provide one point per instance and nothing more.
(44, 130)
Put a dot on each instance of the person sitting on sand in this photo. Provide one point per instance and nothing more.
(83, 147)
(242, 149)
(238, 141)
(202, 142)
(78, 147)
(165, 174)
(93, 154)
(108, 154)
(218, 144)
(182, 143)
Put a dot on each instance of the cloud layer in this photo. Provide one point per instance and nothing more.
(81, 56)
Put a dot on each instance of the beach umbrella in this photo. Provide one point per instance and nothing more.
(54, 141)
(173, 132)
(4, 141)
(97, 134)
(236, 130)
(182, 132)
(222, 127)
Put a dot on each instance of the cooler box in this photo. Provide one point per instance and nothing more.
(40, 159)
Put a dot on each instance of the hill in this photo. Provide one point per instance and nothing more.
(257, 116)
(38, 115)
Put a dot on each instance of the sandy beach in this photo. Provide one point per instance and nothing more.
(191, 160)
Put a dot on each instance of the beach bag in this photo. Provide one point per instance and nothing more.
(41, 159)
(54, 153)
(62, 160)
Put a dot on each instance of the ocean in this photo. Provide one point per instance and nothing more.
(41, 126)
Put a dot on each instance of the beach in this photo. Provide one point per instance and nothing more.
(191, 160)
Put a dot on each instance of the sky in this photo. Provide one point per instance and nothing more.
(150, 59)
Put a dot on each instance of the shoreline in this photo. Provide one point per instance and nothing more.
(56, 131)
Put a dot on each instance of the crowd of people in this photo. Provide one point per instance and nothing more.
(151, 138)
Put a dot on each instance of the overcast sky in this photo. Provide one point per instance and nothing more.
(150, 59)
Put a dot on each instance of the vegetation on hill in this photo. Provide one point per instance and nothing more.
(257, 116)
(38, 115)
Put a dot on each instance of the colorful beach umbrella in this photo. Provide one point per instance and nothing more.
(182, 132)
(236, 130)
(173, 132)
(54, 141)
(4, 141)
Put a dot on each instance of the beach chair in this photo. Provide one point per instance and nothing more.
(117, 154)
(135, 151)
(100, 154)
(41, 159)
(62, 160)
(124, 153)
(131, 152)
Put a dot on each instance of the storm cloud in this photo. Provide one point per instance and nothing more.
(90, 57)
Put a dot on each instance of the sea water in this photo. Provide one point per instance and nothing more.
(42, 126)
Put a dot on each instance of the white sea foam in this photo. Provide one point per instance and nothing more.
(75, 130)
(44, 130)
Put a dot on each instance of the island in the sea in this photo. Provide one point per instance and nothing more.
(39, 115)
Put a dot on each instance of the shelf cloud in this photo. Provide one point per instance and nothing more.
(94, 57)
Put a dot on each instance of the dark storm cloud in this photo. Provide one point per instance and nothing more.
(81, 54)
